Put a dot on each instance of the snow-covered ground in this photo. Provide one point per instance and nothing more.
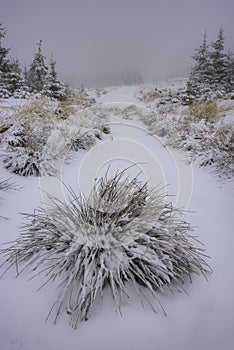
(203, 319)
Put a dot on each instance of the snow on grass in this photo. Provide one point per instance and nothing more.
(210, 142)
(200, 130)
(25, 134)
(203, 320)
(124, 233)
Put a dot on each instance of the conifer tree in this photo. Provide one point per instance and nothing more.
(53, 87)
(213, 73)
(200, 75)
(229, 81)
(38, 71)
(15, 81)
(3, 50)
(4, 65)
(219, 61)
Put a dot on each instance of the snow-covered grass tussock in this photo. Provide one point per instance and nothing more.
(79, 131)
(201, 131)
(22, 148)
(125, 236)
(25, 132)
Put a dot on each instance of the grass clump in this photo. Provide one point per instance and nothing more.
(149, 95)
(207, 110)
(25, 141)
(125, 237)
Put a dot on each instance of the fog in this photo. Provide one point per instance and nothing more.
(92, 38)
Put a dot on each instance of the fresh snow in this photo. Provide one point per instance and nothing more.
(201, 320)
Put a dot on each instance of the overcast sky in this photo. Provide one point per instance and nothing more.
(92, 37)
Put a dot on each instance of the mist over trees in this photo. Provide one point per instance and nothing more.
(19, 83)
(213, 71)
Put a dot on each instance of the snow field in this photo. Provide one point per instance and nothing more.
(201, 320)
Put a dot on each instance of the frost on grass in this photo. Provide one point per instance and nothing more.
(79, 132)
(125, 237)
(202, 132)
(25, 135)
(34, 137)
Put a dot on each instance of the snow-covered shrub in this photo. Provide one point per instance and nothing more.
(23, 141)
(23, 147)
(4, 93)
(125, 235)
(199, 130)
(83, 141)
(79, 131)
(22, 161)
(210, 142)
(3, 129)
(105, 129)
(218, 149)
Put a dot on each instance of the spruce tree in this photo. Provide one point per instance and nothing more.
(3, 50)
(200, 75)
(219, 61)
(4, 65)
(53, 87)
(229, 80)
(38, 71)
(15, 81)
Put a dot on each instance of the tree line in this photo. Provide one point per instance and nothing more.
(38, 78)
(213, 71)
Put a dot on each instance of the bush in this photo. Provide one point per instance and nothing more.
(83, 141)
(23, 146)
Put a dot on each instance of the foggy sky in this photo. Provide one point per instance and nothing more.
(90, 38)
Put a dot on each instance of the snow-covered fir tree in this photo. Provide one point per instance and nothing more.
(200, 75)
(53, 87)
(4, 65)
(38, 71)
(229, 81)
(14, 80)
(212, 73)
(218, 61)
